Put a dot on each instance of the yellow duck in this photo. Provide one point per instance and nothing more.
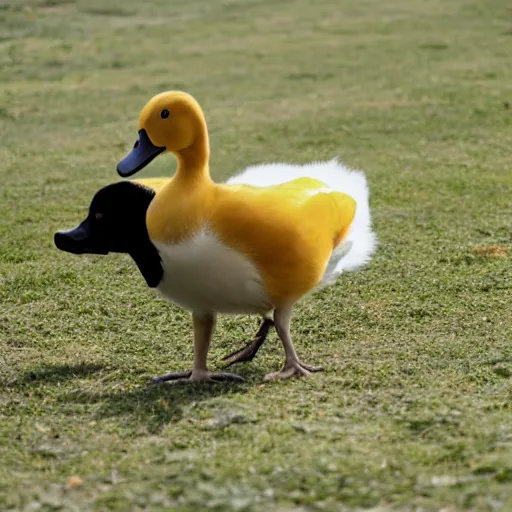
(256, 244)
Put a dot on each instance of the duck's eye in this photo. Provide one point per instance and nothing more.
(99, 216)
(164, 114)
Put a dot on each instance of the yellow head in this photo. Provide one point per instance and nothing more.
(170, 121)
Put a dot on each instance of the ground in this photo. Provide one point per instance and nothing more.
(414, 409)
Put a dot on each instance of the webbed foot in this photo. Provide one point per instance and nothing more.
(293, 369)
(191, 376)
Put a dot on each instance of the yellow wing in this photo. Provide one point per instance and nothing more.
(288, 230)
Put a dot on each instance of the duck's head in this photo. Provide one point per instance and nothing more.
(116, 222)
(170, 121)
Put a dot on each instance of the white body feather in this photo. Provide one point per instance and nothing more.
(203, 274)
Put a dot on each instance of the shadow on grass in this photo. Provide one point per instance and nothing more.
(155, 405)
(143, 404)
(54, 373)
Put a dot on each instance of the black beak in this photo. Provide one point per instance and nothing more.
(142, 153)
(78, 240)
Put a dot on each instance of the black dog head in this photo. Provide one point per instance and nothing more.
(116, 222)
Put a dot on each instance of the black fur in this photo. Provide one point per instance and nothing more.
(117, 223)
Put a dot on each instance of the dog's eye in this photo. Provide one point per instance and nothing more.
(98, 216)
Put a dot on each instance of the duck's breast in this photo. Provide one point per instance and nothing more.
(203, 274)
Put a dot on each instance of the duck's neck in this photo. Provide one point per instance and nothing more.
(193, 161)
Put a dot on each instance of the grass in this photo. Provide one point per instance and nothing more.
(414, 410)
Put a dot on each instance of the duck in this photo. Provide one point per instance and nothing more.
(116, 223)
(257, 244)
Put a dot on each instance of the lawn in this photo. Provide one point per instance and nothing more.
(414, 409)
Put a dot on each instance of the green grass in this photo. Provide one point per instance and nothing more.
(414, 410)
